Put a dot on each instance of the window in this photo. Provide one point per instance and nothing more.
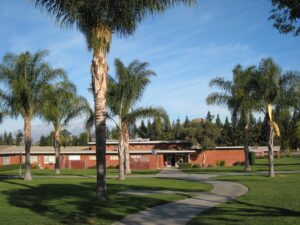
(114, 157)
(74, 157)
(34, 159)
(49, 159)
(6, 160)
(92, 157)
(136, 156)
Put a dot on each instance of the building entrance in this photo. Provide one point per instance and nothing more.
(172, 160)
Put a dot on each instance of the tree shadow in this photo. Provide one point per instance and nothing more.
(241, 212)
(76, 203)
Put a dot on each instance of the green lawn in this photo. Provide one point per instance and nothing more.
(269, 201)
(281, 164)
(72, 201)
(77, 172)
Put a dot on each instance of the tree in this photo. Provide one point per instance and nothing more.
(286, 16)
(272, 87)
(60, 105)
(186, 122)
(90, 122)
(236, 95)
(124, 92)
(142, 130)
(23, 77)
(98, 21)
(207, 133)
(19, 138)
(218, 121)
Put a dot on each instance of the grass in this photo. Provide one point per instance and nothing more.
(73, 172)
(281, 164)
(269, 201)
(72, 201)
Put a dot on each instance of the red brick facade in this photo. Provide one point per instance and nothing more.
(143, 155)
(211, 157)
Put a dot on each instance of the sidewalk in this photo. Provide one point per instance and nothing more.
(181, 212)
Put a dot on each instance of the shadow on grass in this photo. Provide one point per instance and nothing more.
(76, 203)
(240, 212)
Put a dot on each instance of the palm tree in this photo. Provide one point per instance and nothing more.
(61, 104)
(24, 76)
(272, 87)
(236, 96)
(124, 92)
(98, 21)
(89, 123)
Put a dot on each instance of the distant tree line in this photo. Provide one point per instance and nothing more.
(211, 131)
(7, 138)
(66, 138)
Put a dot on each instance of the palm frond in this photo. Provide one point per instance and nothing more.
(97, 20)
(142, 113)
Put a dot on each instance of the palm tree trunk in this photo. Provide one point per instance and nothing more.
(57, 152)
(99, 70)
(246, 150)
(270, 150)
(121, 148)
(27, 132)
(127, 155)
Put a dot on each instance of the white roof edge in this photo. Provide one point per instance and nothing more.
(220, 147)
(143, 142)
(174, 151)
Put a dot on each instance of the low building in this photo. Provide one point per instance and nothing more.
(262, 151)
(144, 154)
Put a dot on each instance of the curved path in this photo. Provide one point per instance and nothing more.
(182, 211)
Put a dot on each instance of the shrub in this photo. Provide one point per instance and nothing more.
(238, 163)
(185, 165)
(221, 163)
(110, 167)
(10, 167)
(34, 166)
(196, 166)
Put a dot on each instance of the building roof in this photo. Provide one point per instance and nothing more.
(78, 150)
(145, 141)
(220, 148)
(263, 148)
(4, 150)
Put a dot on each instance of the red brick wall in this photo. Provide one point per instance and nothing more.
(212, 156)
(144, 146)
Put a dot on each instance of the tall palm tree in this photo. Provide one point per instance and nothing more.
(124, 92)
(89, 123)
(236, 95)
(61, 104)
(24, 76)
(98, 21)
(272, 87)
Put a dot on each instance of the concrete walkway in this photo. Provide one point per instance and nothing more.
(180, 212)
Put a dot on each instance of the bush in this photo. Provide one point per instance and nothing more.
(110, 167)
(252, 158)
(238, 163)
(221, 163)
(185, 165)
(10, 167)
(196, 166)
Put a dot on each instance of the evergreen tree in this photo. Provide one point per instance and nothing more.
(218, 121)
(209, 117)
(142, 130)
(186, 122)
(19, 138)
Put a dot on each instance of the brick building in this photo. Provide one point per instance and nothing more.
(144, 154)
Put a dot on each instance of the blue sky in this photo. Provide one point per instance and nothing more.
(186, 47)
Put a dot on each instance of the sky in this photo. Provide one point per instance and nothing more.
(185, 46)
